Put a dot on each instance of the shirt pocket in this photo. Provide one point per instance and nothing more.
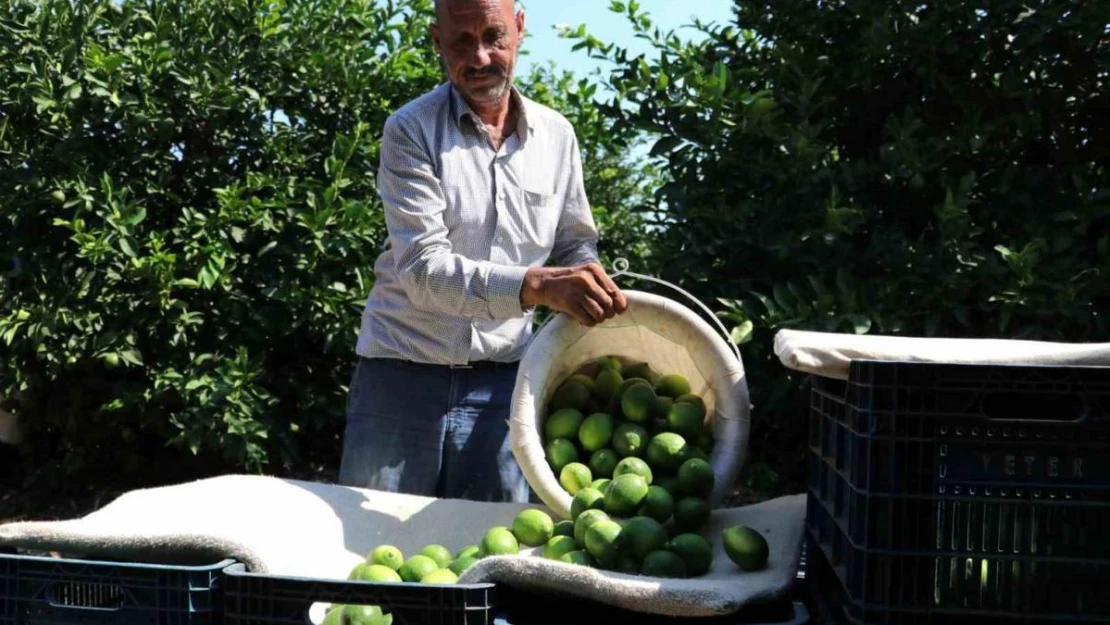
(540, 219)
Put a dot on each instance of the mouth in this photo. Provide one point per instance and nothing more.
(485, 74)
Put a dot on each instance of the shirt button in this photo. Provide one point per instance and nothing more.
(501, 195)
(500, 239)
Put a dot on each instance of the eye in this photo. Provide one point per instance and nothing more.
(495, 37)
(463, 42)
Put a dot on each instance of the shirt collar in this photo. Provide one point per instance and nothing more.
(461, 110)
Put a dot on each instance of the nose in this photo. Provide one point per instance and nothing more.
(481, 55)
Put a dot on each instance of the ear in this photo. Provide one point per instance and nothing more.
(520, 24)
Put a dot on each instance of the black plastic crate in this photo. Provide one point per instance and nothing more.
(522, 607)
(939, 492)
(256, 598)
(55, 591)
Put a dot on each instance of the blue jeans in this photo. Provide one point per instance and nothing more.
(431, 430)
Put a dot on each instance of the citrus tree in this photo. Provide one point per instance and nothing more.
(894, 167)
(190, 221)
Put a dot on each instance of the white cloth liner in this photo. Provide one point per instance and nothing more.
(829, 354)
(654, 329)
(316, 530)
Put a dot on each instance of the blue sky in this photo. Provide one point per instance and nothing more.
(543, 44)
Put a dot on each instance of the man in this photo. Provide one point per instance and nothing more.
(482, 187)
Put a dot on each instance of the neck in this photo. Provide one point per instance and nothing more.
(495, 115)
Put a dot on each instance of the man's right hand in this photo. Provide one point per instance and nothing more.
(584, 292)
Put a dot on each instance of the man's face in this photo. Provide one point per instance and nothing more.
(478, 40)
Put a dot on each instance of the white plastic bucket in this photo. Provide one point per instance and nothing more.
(656, 330)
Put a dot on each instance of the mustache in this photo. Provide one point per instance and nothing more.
(488, 70)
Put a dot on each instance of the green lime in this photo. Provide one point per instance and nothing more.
(672, 385)
(695, 478)
(643, 535)
(595, 431)
(658, 504)
(668, 483)
(581, 558)
(629, 383)
(564, 528)
(562, 424)
(746, 547)
(471, 551)
(533, 527)
(499, 541)
(625, 494)
(575, 476)
(572, 393)
(377, 573)
(629, 439)
(640, 370)
(365, 615)
(638, 402)
(691, 514)
(692, 399)
(610, 363)
(663, 564)
(439, 553)
(662, 407)
(603, 461)
(687, 420)
(582, 379)
(559, 545)
(586, 499)
(335, 616)
(627, 564)
(459, 565)
(695, 551)
(356, 572)
(606, 384)
(634, 466)
(601, 484)
(387, 555)
(440, 576)
(603, 541)
(706, 440)
(583, 523)
(416, 567)
(560, 452)
(664, 451)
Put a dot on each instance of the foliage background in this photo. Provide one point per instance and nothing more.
(187, 202)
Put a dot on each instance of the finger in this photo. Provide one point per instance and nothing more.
(601, 298)
(620, 304)
(578, 314)
(593, 310)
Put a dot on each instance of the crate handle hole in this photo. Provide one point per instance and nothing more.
(86, 596)
(1034, 407)
(317, 613)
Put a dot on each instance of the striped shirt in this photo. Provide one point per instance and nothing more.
(465, 223)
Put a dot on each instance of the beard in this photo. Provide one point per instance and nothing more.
(487, 94)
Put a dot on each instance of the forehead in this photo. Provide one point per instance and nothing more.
(473, 14)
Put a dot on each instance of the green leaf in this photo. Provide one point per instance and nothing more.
(131, 356)
(783, 298)
(742, 333)
(665, 145)
(127, 246)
